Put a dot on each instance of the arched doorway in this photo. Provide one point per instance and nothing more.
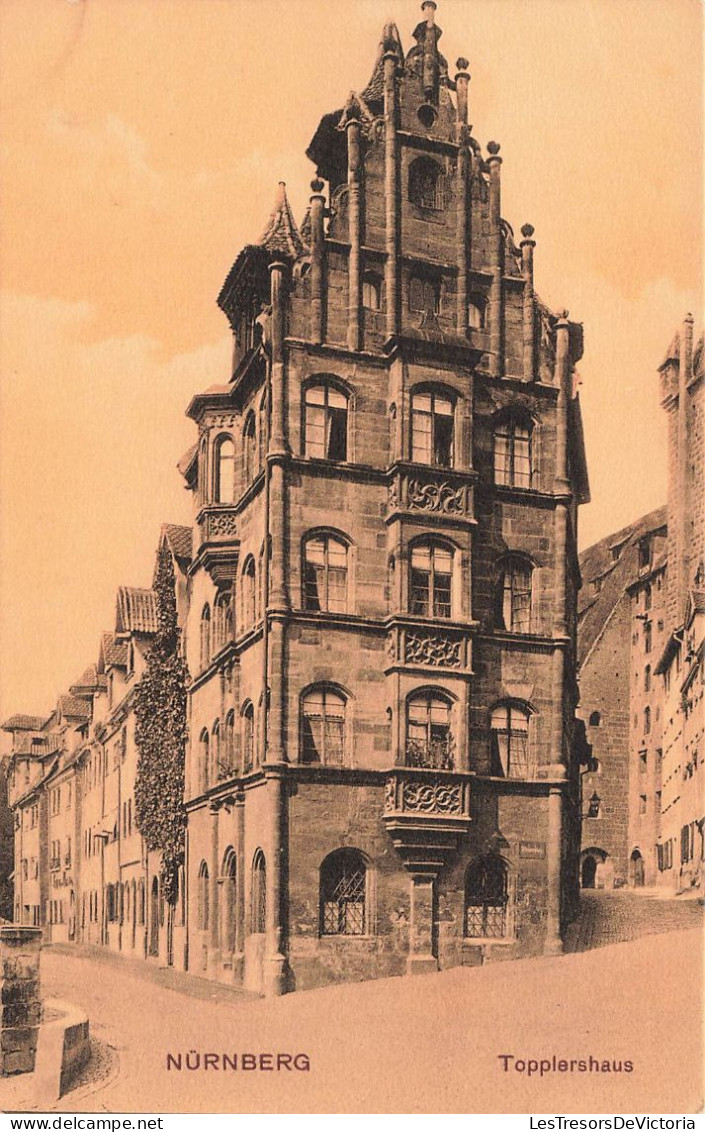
(636, 869)
(587, 876)
(154, 918)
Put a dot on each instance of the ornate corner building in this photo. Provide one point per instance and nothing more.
(382, 616)
(378, 605)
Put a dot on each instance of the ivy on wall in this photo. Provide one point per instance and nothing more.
(160, 735)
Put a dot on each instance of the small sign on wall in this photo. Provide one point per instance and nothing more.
(534, 850)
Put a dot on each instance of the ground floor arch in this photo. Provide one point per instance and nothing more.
(596, 868)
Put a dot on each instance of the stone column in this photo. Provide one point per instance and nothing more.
(391, 192)
(421, 954)
(20, 949)
(527, 269)
(275, 973)
(554, 853)
(239, 885)
(317, 250)
(496, 300)
(461, 84)
(214, 886)
(354, 229)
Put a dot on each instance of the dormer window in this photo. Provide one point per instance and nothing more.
(426, 184)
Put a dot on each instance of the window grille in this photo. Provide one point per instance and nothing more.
(486, 899)
(343, 894)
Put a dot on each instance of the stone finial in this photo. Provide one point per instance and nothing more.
(317, 186)
(462, 64)
(563, 315)
(493, 148)
(527, 231)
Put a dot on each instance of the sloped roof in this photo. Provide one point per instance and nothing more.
(136, 610)
(24, 723)
(90, 681)
(74, 708)
(185, 463)
(180, 540)
(598, 562)
(112, 653)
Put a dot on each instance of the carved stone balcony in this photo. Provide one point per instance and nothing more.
(426, 812)
(444, 493)
(220, 544)
(417, 644)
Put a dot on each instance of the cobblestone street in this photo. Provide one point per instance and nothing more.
(625, 914)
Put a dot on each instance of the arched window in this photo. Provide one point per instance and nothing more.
(204, 760)
(595, 719)
(511, 752)
(229, 738)
(344, 893)
(215, 751)
(326, 423)
(431, 580)
(424, 294)
(476, 312)
(647, 720)
(205, 635)
(512, 453)
(371, 291)
(249, 449)
(248, 736)
(224, 470)
(432, 429)
(259, 894)
(203, 898)
(486, 898)
(323, 727)
(428, 731)
(222, 626)
(325, 574)
(513, 595)
(229, 878)
(426, 184)
(248, 592)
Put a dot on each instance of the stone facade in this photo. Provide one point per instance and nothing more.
(640, 669)
(20, 999)
(379, 607)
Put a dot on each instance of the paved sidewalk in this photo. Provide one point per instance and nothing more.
(180, 981)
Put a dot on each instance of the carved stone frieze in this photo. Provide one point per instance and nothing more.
(440, 497)
(222, 523)
(436, 797)
(432, 650)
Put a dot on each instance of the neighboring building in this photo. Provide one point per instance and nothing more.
(381, 630)
(379, 608)
(640, 649)
(7, 846)
(681, 667)
(620, 632)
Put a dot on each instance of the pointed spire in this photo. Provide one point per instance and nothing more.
(390, 42)
(282, 236)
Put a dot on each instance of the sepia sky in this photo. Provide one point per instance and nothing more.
(142, 144)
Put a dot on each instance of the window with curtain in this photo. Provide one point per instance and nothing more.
(344, 893)
(513, 595)
(323, 727)
(325, 574)
(428, 732)
(326, 423)
(431, 580)
(511, 749)
(512, 453)
(432, 429)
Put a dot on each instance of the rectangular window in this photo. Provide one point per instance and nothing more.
(642, 803)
